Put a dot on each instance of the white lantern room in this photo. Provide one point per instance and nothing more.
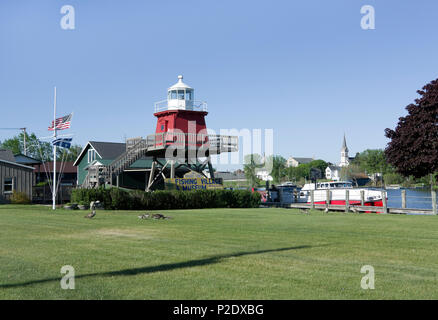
(180, 96)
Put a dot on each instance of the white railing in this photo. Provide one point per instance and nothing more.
(195, 105)
(216, 143)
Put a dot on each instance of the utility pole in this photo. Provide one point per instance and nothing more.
(24, 141)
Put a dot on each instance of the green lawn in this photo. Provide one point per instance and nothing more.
(216, 254)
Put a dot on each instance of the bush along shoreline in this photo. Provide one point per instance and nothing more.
(118, 199)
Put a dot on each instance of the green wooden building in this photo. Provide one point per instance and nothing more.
(97, 154)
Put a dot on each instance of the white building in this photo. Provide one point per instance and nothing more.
(295, 161)
(263, 174)
(333, 173)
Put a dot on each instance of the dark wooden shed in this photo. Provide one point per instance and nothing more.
(14, 177)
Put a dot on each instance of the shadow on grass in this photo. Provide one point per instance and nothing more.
(161, 267)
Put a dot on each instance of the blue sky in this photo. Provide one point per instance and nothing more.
(304, 68)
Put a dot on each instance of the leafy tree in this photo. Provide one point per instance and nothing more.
(393, 178)
(278, 168)
(372, 161)
(303, 170)
(413, 149)
(319, 164)
(350, 172)
(40, 150)
(71, 154)
(252, 163)
(35, 148)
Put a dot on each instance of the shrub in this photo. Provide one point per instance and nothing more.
(19, 198)
(118, 199)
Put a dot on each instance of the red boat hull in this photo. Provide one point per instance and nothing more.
(378, 203)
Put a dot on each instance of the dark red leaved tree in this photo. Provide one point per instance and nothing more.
(413, 149)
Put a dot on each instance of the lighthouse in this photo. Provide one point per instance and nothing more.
(180, 112)
(180, 129)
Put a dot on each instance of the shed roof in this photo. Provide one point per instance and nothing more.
(66, 166)
(7, 155)
(23, 159)
(302, 160)
(17, 164)
(106, 150)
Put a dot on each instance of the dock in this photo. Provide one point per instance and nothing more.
(359, 208)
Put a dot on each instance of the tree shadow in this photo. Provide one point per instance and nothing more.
(162, 267)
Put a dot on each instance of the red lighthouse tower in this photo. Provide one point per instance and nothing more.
(180, 112)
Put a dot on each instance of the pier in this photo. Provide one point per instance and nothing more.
(327, 206)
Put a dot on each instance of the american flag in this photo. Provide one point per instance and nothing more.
(62, 123)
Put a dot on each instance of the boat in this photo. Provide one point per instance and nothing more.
(371, 196)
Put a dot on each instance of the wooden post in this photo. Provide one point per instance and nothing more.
(385, 205)
(151, 175)
(434, 207)
(403, 196)
(327, 198)
(362, 197)
(210, 169)
(312, 199)
(117, 181)
(172, 169)
(347, 200)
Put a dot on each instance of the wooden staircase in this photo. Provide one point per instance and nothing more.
(125, 160)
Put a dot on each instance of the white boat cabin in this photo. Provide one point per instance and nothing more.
(328, 185)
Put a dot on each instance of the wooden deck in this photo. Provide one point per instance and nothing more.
(343, 208)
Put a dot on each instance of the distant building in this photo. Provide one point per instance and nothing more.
(263, 174)
(333, 173)
(65, 171)
(237, 176)
(345, 159)
(14, 177)
(295, 161)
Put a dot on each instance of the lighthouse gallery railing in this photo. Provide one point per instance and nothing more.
(215, 143)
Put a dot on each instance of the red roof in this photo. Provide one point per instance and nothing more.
(67, 166)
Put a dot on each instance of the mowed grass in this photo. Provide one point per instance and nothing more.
(216, 254)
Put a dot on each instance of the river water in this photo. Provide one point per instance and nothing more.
(415, 198)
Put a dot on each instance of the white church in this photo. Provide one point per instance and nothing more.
(334, 172)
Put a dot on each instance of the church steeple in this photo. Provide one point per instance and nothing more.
(344, 154)
(344, 145)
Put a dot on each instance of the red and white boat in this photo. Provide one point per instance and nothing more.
(372, 196)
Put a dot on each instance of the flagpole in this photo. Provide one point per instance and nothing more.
(54, 155)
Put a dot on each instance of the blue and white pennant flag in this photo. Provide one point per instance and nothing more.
(62, 142)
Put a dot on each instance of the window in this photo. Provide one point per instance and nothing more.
(91, 155)
(173, 94)
(180, 94)
(189, 95)
(8, 185)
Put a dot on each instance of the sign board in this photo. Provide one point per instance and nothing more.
(193, 184)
